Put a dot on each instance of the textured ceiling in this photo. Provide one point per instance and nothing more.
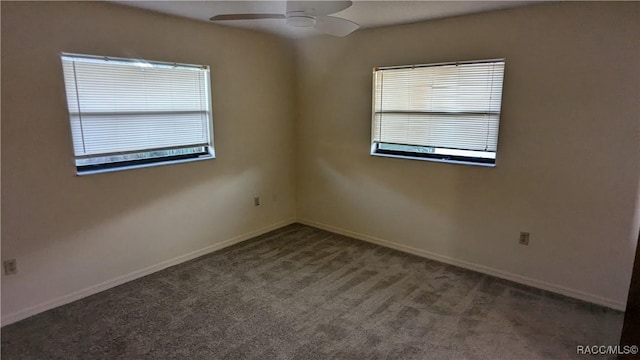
(366, 13)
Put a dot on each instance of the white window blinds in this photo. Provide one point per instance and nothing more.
(119, 106)
(442, 108)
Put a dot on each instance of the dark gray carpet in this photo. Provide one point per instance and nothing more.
(303, 293)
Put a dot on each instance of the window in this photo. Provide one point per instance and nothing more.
(442, 112)
(127, 113)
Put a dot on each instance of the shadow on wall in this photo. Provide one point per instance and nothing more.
(438, 208)
(635, 229)
(43, 213)
(46, 205)
(70, 233)
(413, 202)
(386, 201)
(567, 124)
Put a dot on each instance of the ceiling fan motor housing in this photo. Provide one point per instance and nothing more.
(299, 19)
(305, 14)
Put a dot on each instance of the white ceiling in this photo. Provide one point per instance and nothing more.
(367, 14)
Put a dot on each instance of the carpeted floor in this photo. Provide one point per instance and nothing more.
(303, 293)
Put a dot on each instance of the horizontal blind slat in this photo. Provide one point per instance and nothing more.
(132, 132)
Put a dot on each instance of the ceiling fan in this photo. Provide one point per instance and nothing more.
(306, 14)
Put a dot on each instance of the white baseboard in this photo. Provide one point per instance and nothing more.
(577, 294)
(47, 305)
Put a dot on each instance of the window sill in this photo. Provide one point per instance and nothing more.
(459, 162)
(139, 166)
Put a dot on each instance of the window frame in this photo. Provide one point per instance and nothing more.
(430, 153)
(145, 157)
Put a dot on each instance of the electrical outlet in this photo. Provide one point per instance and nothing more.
(524, 238)
(256, 201)
(10, 267)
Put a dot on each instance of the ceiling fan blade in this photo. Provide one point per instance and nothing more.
(317, 8)
(246, 17)
(335, 26)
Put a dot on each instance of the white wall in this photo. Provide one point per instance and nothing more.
(568, 159)
(87, 233)
(568, 168)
